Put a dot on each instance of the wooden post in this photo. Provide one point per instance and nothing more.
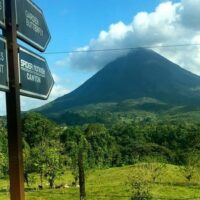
(81, 175)
(16, 171)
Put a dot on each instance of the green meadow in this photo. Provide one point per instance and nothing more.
(113, 183)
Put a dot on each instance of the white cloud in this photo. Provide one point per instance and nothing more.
(170, 23)
(57, 91)
(190, 13)
(30, 103)
(56, 78)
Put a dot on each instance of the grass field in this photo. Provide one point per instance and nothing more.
(111, 184)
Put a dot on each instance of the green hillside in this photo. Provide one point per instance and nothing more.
(140, 86)
(113, 183)
(131, 110)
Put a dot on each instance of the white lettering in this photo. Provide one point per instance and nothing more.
(26, 64)
(33, 78)
(1, 56)
(1, 69)
(33, 72)
(33, 23)
(31, 17)
(39, 70)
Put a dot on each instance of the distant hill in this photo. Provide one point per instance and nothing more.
(140, 74)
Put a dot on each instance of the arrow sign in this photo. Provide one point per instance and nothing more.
(35, 77)
(2, 13)
(3, 65)
(32, 27)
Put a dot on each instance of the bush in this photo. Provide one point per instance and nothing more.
(141, 191)
(140, 183)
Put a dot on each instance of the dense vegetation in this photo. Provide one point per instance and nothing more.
(128, 111)
(51, 149)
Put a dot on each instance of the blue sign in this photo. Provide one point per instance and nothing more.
(2, 13)
(31, 25)
(35, 77)
(3, 65)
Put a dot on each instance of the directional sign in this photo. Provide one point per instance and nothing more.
(32, 27)
(2, 13)
(3, 65)
(35, 77)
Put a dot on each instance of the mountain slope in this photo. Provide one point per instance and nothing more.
(141, 73)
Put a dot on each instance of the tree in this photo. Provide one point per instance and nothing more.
(48, 161)
(2, 164)
(76, 146)
(36, 128)
(100, 145)
(39, 159)
(71, 138)
(43, 150)
(3, 150)
(55, 162)
(28, 168)
(128, 137)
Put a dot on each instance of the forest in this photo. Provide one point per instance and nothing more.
(50, 149)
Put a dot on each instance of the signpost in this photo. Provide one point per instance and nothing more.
(21, 72)
(3, 65)
(31, 25)
(35, 77)
(16, 172)
(2, 13)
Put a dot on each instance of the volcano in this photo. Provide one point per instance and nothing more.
(141, 73)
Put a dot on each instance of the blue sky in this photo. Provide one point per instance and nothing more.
(105, 24)
(73, 23)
